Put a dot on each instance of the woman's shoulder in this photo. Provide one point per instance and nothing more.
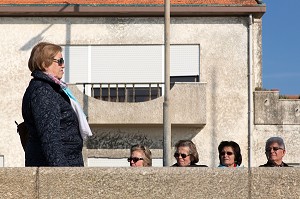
(37, 88)
(41, 86)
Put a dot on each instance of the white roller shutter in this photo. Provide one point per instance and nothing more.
(184, 60)
(128, 63)
(76, 64)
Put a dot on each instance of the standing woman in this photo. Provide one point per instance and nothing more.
(229, 154)
(140, 156)
(54, 119)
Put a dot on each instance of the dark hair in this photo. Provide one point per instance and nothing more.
(277, 140)
(42, 56)
(192, 147)
(236, 150)
(148, 157)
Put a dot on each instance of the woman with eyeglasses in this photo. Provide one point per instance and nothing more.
(275, 151)
(229, 154)
(140, 156)
(55, 121)
(186, 154)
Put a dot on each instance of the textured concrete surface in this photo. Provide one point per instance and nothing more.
(187, 107)
(290, 134)
(269, 109)
(18, 183)
(150, 183)
(266, 107)
(275, 183)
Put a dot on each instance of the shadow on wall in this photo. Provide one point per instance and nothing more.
(38, 38)
(32, 42)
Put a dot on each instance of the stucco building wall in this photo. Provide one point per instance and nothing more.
(276, 117)
(290, 134)
(223, 66)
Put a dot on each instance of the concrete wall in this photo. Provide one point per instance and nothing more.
(276, 117)
(149, 183)
(188, 107)
(269, 109)
(223, 65)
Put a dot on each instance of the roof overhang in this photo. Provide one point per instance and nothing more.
(84, 10)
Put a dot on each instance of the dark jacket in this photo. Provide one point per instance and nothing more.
(191, 165)
(271, 164)
(54, 137)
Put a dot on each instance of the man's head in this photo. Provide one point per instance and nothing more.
(275, 150)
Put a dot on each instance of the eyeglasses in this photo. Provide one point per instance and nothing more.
(227, 152)
(176, 155)
(274, 149)
(60, 61)
(134, 159)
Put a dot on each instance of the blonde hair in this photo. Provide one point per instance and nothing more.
(148, 157)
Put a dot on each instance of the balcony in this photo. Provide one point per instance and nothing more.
(187, 107)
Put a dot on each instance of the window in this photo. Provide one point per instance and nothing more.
(111, 64)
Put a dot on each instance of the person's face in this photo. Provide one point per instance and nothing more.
(135, 159)
(183, 151)
(227, 156)
(275, 153)
(56, 69)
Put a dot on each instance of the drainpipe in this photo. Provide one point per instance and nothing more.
(250, 92)
(166, 104)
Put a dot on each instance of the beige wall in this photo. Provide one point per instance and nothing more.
(223, 65)
(149, 183)
(285, 113)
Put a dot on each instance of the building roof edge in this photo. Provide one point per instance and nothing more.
(83, 10)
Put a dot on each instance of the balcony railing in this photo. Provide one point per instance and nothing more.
(123, 92)
(130, 92)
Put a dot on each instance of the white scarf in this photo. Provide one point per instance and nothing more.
(84, 127)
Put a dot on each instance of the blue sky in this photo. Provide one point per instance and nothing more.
(281, 46)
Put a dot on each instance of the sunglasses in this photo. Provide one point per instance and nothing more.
(176, 155)
(227, 152)
(274, 149)
(134, 159)
(60, 61)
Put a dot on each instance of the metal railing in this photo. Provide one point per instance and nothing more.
(123, 92)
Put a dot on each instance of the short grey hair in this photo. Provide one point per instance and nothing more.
(277, 140)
